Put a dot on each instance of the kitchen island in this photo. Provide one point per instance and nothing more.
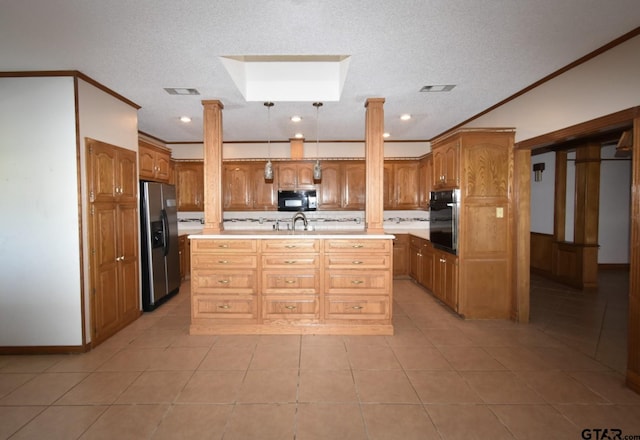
(291, 282)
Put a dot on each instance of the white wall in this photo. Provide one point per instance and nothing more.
(603, 85)
(542, 194)
(615, 205)
(107, 119)
(282, 150)
(39, 231)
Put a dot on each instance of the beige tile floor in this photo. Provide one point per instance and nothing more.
(438, 377)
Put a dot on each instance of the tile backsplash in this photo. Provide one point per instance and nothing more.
(318, 220)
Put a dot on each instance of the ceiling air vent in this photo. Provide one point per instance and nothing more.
(181, 91)
(438, 88)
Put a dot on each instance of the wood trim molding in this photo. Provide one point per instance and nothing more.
(613, 121)
(633, 363)
(73, 73)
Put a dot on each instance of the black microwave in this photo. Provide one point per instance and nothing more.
(301, 200)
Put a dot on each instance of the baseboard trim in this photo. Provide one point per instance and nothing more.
(46, 349)
(614, 266)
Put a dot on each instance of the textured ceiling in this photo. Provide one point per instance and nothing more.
(490, 49)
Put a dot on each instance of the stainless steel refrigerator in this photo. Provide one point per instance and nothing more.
(159, 233)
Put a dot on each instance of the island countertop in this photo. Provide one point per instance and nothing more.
(296, 235)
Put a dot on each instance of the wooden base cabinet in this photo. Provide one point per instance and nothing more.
(401, 255)
(286, 286)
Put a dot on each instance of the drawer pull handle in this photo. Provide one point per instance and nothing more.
(224, 306)
(290, 262)
(290, 281)
(223, 246)
(290, 307)
(356, 262)
(357, 282)
(290, 246)
(357, 246)
(223, 261)
(223, 281)
(357, 307)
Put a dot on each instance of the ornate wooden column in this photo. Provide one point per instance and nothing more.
(212, 120)
(633, 363)
(374, 160)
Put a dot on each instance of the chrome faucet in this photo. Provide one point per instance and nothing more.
(299, 215)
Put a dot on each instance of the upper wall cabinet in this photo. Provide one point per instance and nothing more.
(154, 162)
(115, 177)
(295, 175)
(189, 177)
(446, 165)
(401, 189)
(244, 187)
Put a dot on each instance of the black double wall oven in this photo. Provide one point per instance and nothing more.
(444, 210)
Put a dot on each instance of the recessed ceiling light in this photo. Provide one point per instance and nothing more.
(298, 135)
(386, 135)
(185, 119)
(405, 117)
(181, 91)
(296, 118)
(438, 88)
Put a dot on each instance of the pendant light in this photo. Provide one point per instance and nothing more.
(268, 167)
(317, 170)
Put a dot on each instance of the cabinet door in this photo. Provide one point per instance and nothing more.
(127, 185)
(451, 165)
(304, 176)
(162, 167)
(104, 268)
(128, 289)
(237, 187)
(401, 255)
(354, 186)
(190, 186)
(287, 175)
(263, 193)
(415, 263)
(330, 189)
(103, 163)
(147, 162)
(405, 176)
(428, 266)
(450, 296)
(425, 177)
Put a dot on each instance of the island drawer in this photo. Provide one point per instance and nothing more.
(290, 282)
(303, 307)
(225, 282)
(357, 307)
(354, 245)
(225, 261)
(292, 261)
(357, 261)
(222, 245)
(290, 245)
(234, 307)
(376, 282)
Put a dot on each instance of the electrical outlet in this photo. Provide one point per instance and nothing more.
(499, 212)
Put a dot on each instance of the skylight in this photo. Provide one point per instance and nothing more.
(288, 77)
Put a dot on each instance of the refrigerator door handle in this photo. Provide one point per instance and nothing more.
(165, 230)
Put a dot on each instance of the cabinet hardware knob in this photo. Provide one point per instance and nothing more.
(122, 258)
(290, 281)
(223, 281)
(290, 246)
(117, 258)
(290, 307)
(357, 307)
(223, 261)
(357, 246)
(224, 306)
(290, 262)
(356, 262)
(357, 282)
(223, 246)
